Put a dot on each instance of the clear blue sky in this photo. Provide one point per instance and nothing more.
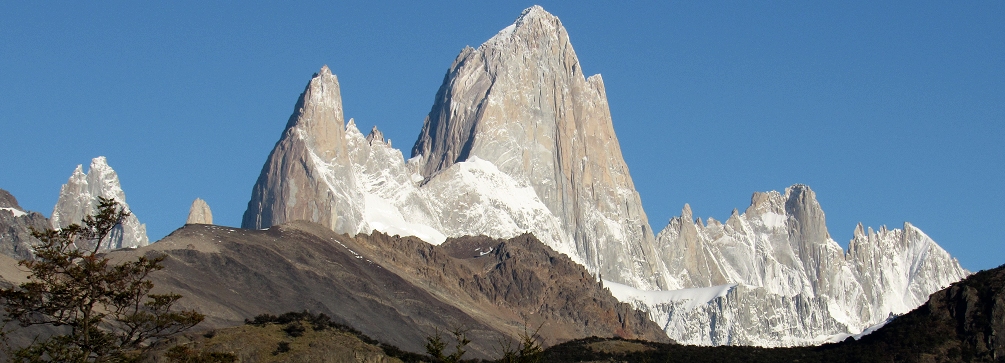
(891, 112)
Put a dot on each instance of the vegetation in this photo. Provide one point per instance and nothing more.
(104, 311)
(183, 354)
(435, 346)
(528, 350)
(298, 324)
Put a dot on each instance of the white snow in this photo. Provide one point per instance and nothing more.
(841, 337)
(383, 216)
(505, 32)
(17, 213)
(773, 221)
(695, 297)
(478, 198)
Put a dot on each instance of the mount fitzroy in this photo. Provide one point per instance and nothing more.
(519, 140)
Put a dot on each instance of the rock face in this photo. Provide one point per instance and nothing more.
(521, 102)
(7, 201)
(789, 283)
(15, 228)
(79, 198)
(535, 152)
(199, 213)
(308, 175)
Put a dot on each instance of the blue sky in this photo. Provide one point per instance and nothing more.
(891, 112)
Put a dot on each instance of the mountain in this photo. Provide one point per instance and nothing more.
(960, 323)
(79, 198)
(329, 173)
(394, 289)
(15, 227)
(783, 280)
(199, 213)
(308, 176)
(518, 141)
(569, 185)
(521, 102)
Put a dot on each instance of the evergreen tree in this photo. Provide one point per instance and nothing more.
(105, 309)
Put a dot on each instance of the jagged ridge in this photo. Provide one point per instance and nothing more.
(79, 198)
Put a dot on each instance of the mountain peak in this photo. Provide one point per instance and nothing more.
(375, 135)
(764, 202)
(7, 200)
(536, 15)
(686, 212)
(310, 159)
(79, 197)
(534, 11)
(534, 23)
(100, 162)
(800, 196)
(801, 203)
(521, 102)
(199, 213)
(317, 118)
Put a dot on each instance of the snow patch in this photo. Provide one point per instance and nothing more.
(695, 297)
(837, 338)
(773, 221)
(383, 216)
(17, 213)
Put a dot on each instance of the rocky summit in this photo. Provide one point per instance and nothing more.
(199, 213)
(308, 175)
(79, 198)
(518, 140)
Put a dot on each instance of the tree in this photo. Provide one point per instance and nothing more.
(528, 350)
(105, 309)
(435, 346)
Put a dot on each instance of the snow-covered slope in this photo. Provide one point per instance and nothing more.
(356, 184)
(79, 198)
(14, 212)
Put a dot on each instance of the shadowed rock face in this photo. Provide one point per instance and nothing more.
(15, 228)
(397, 290)
(521, 102)
(79, 198)
(199, 213)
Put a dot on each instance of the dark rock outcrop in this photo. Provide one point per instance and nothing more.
(15, 227)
